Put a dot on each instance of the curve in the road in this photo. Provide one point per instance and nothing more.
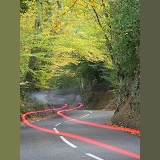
(134, 131)
(106, 146)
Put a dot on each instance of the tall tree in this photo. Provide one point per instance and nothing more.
(36, 49)
(125, 41)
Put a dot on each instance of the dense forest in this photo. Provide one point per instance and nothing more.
(66, 44)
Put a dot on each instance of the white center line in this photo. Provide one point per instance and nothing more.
(55, 130)
(71, 120)
(93, 156)
(90, 111)
(58, 124)
(70, 144)
(85, 115)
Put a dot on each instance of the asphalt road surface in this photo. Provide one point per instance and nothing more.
(67, 139)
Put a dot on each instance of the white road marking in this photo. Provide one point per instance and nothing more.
(58, 124)
(71, 120)
(70, 144)
(85, 115)
(90, 111)
(55, 130)
(93, 156)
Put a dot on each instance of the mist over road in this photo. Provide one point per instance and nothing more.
(65, 139)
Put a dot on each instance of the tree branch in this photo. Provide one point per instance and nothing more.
(104, 7)
(108, 44)
(70, 7)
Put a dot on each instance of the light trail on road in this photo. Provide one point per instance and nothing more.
(134, 131)
(74, 136)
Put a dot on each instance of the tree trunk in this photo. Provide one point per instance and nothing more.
(60, 4)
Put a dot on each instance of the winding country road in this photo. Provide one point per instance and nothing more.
(76, 135)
